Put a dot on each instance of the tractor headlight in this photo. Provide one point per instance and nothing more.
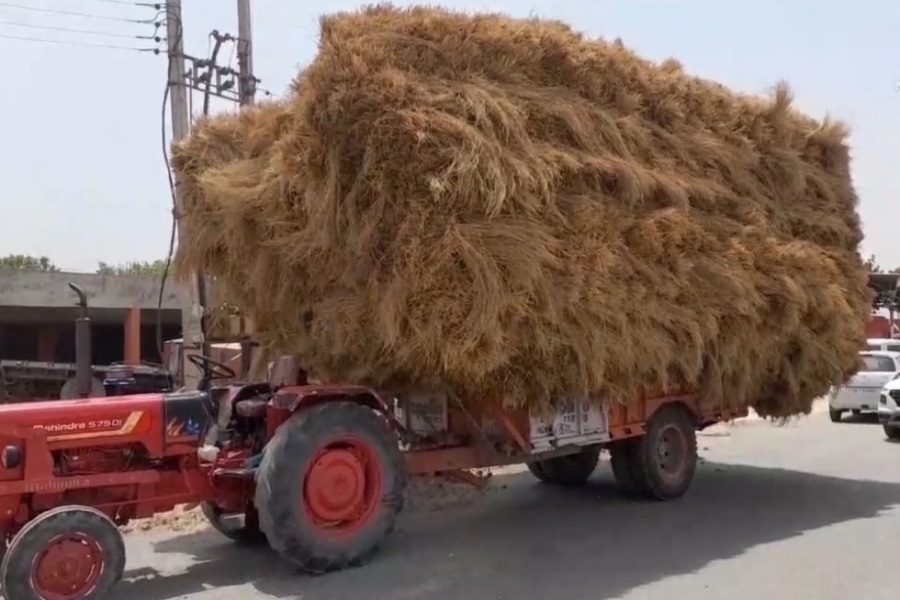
(11, 457)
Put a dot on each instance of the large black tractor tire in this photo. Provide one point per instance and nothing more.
(572, 469)
(242, 529)
(664, 460)
(330, 486)
(68, 553)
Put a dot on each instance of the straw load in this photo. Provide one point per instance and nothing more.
(510, 211)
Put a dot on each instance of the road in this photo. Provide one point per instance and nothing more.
(807, 510)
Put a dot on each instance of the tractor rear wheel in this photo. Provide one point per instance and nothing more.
(330, 486)
(68, 553)
(243, 529)
(572, 469)
(664, 460)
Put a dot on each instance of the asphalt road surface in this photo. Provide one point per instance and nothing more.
(807, 510)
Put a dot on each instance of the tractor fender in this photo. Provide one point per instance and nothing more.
(289, 399)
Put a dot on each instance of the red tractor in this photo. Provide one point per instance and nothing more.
(316, 471)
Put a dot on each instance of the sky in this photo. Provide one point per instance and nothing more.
(82, 174)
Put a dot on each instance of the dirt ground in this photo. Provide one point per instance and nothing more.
(424, 494)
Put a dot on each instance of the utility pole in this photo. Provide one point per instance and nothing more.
(210, 79)
(246, 80)
(191, 326)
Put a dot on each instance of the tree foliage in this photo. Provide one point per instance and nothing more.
(22, 262)
(872, 264)
(874, 267)
(141, 269)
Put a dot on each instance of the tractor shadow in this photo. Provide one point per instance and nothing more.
(531, 541)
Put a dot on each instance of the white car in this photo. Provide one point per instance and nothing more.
(863, 391)
(889, 409)
(888, 344)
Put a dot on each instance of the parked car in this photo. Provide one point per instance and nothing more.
(863, 392)
(883, 344)
(889, 409)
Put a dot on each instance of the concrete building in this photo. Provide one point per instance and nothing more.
(38, 311)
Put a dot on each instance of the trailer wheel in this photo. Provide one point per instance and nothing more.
(68, 553)
(330, 486)
(246, 532)
(664, 460)
(620, 460)
(537, 471)
(892, 432)
(572, 469)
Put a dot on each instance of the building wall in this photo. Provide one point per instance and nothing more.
(39, 289)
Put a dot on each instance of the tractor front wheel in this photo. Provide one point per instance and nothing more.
(330, 486)
(68, 553)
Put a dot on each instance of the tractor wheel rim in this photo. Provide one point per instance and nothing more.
(67, 568)
(342, 488)
(671, 452)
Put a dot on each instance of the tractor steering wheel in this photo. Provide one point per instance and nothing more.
(211, 369)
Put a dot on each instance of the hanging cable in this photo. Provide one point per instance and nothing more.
(172, 191)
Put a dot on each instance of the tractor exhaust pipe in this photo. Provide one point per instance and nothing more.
(83, 356)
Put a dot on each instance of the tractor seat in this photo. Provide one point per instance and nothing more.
(251, 408)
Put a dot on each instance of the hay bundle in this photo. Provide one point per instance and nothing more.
(511, 211)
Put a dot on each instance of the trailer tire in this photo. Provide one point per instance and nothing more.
(664, 460)
(537, 471)
(330, 486)
(572, 469)
(621, 462)
(247, 534)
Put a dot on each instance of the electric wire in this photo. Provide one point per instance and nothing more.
(76, 43)
(129, 3)
(82, 31)
(72, 13)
